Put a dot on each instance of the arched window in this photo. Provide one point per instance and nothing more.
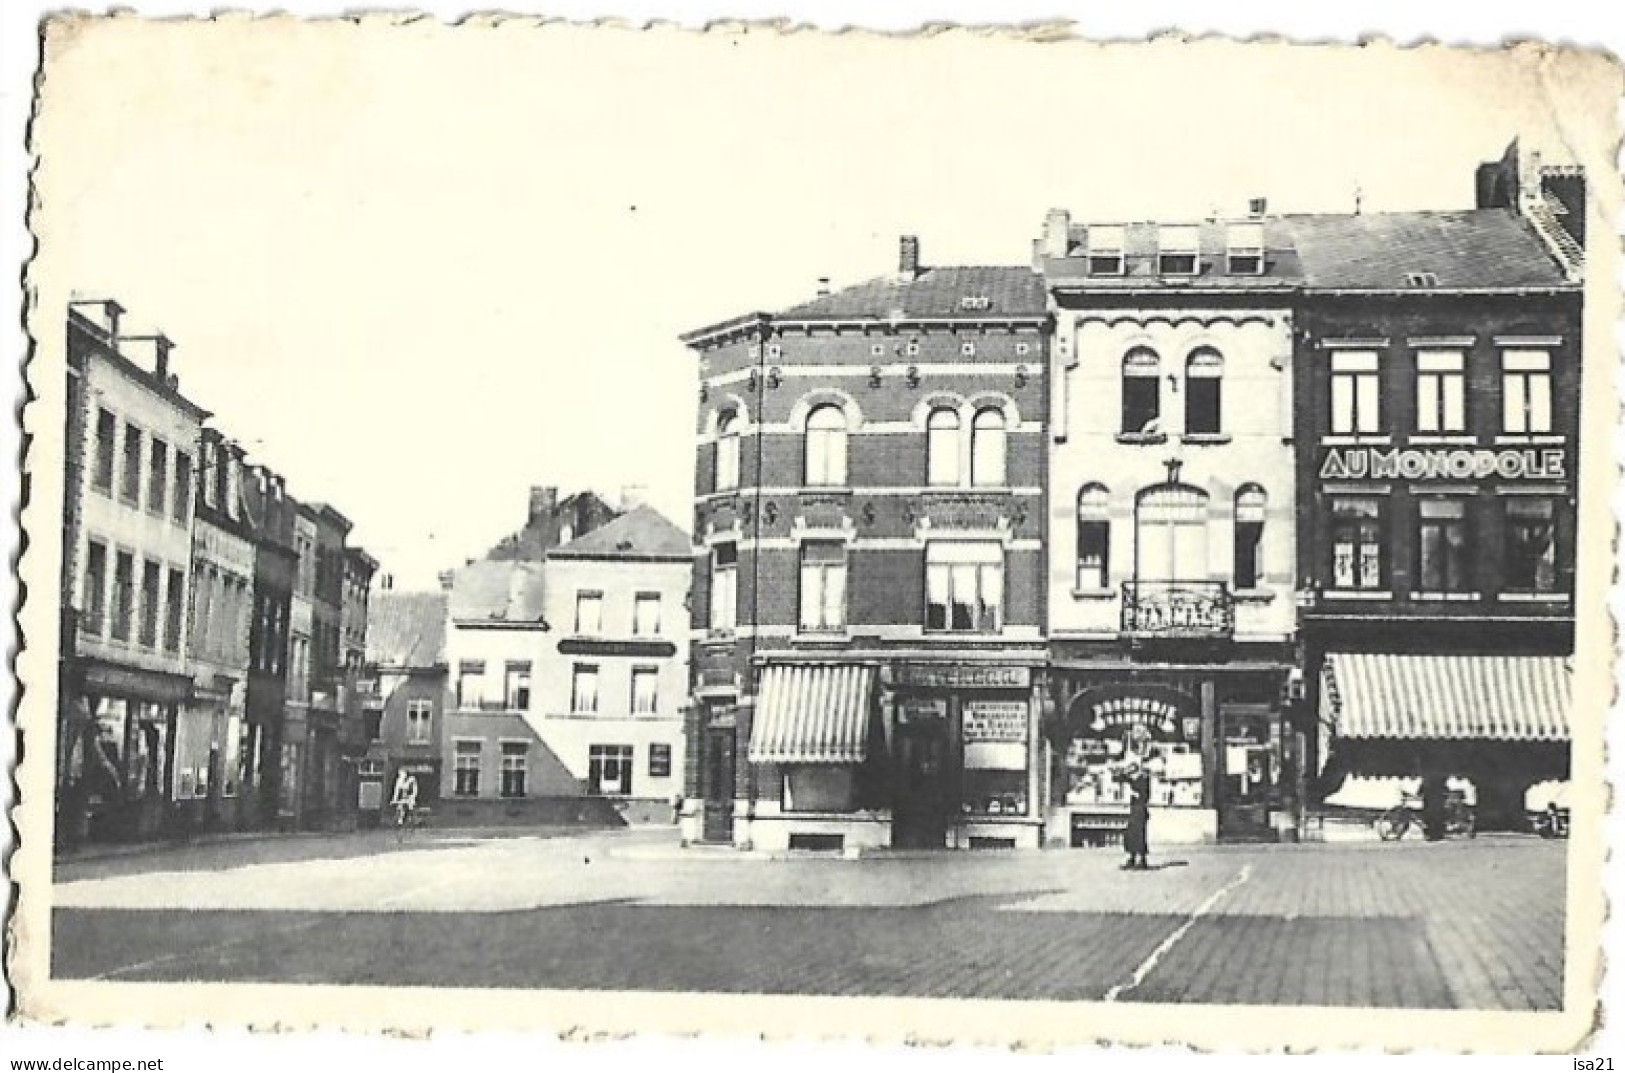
(1094, 537)
(942, 447)
(1171, 534)
(1204, 375)
(987, 448)
(1251, 503)
(826, 446)
(1142, 392)
(727, 460)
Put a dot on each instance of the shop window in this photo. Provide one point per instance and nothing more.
(1094, 537)
(1142, 392)
(609, 770)
(471, 683)
(825, 464)
(1204, 380)
(93, 601)
(101, 477)
(1441, 391)
(964, 583)
(645, 690)
(158, 476)
(419, 722)
(1251, 503)
(1526, 392)
(659, 760)
(466, 769)
(151, 597)
(1097, 758)
(994, 733)
(516, 685)
(130, 484)
(1443, 560)
(183, 487)
(1358, 538)
(584, 689)
(589, 613)
(724, 586)
(823, 586)
(1355, 393)
(646, 614)
(515, 762)
(727, 458)
(123, 612)
(1531, 545)
(987, 449)
(942, 448)
(1171, 528)
(819, 788)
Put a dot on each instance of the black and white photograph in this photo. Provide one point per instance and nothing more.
(981, 536)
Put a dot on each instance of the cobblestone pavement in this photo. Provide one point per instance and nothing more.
(1474, 924)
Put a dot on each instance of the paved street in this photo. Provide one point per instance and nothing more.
(1470, 924)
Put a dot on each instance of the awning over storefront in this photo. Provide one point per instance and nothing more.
(812, 714)
(1485, 698)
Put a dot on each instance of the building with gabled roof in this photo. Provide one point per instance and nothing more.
(404, 693)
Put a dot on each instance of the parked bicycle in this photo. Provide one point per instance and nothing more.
(1458, 817)
(1552, 822)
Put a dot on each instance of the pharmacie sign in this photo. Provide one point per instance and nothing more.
(1456, 464)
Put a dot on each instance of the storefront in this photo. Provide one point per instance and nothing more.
(1220, 751)
(119, 750)
(1499, 723)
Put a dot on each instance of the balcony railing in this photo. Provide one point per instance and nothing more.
(1174, 609)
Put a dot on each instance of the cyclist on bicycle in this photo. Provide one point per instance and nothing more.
(404, 798)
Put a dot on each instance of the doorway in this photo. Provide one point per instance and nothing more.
(717, 778)
(920, 811)
(1249, 770)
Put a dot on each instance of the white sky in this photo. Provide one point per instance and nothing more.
(418, 272)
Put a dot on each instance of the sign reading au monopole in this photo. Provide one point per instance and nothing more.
(1456, 464)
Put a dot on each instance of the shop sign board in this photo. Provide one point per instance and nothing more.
(961, 676)
(1454, 464)
(995, 720)
(1162, 710)
(921, 709)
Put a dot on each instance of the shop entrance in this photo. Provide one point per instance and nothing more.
(1249, 771)
(920, 812)
(717, 789)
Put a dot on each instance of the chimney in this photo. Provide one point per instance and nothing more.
(446, 579)
(544, 500)
(823, 286)
(1257, 206)
(908, 257)
(161, 346)
(633, 496)
(1057, 233)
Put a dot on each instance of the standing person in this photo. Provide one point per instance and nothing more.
(1434, 792)
(1135, 839)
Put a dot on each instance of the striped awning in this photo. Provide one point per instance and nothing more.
(812, 714)
(1493, 698)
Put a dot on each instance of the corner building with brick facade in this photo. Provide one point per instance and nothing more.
(868, 606)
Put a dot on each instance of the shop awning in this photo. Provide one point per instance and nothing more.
(1486, 698)
(812, 714)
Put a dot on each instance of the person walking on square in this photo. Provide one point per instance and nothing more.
(1135, 836)
(404, 798)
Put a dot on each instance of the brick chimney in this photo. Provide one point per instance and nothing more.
(823, 286)
(1057, 233)
(446, 578)
(544, 500)
(908, 258)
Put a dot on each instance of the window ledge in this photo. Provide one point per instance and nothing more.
(1254, 596)
(822, 637)
(1345, 440)
(1358, 594)
(1142, 437)
(1534, 597)
(1446, 597)
(1093, 594)
(1531, 439)
(825, 490)
(1206, 438)
(1457, 439)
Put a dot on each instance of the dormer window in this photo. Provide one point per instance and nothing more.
(1244, 252)
(1106, 251)
(1421, 279)
(1177, 247)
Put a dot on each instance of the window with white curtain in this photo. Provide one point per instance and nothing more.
(1251, 503)
(826, 446)
(964, 586)
(1171, 534)
(942, 447)
(1094, 537)
(987, 448)
(1526, 392)
(727, 458)
(823, 586)
(1356, 397)
(1441, 391)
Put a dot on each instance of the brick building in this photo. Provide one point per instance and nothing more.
(868, 606)
(404, 695)
(1439, 401)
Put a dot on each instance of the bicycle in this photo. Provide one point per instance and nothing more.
(409, 818)
(1458, 818)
